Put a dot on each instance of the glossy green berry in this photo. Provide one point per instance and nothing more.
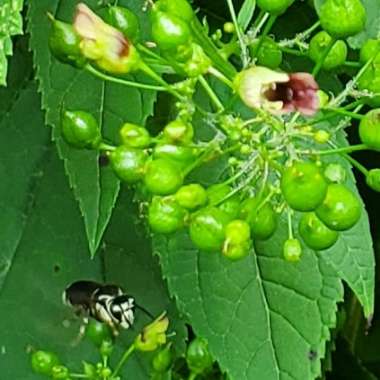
(169, 31)
(370, 81)
(369, 50)
(322, 136)
(181, 155)
(80, 129)
(163, 360)
(237, 243)
(269, 53)
(229, 27)
(340, 209)
(369, 129)
(163, 177)
(207, 228)
(165, 215)
(134, 136)
(373, 179)
(315, 234)
(335, 173)
(261, 218)
(274, 7)
(178, 132)
(292, 250)
(124, 20)
(60, 372)
(128, 163)
(336, 56)
(64, 44)
(198, 357)
(178, 8)
(220, 195)
(303, 186)
(97, 332)
(43, 362)
(191, 196)
(342, 18)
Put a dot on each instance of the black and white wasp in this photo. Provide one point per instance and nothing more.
(106, 303)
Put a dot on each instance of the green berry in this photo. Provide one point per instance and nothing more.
(370, 81)
(342, 18)
(97, 332)
(134, 136)
(128, 164)
(163, 360)
(369, 129)
(124, 20)
(373, 179)
(274, 7)
(216, 195)
(178, 8)
(198, 357)
(269, 53)
(60, 372)
(191, 196)
(181, 155)
(292, 250)
(340, 209)
(229, 27)
(165, 215)
(163, 177)
(369, 50)
(315, 234)
(207, 228)
(80, 129)
(321, 136)
(43, 362)
(303, 186)
(336, 56)
(238, 243)
(178, 132)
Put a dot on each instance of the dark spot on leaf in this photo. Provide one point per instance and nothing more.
(56, 268)
(312, 355)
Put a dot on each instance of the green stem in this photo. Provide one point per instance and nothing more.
(306, 33)
(356, 164)
(268, 27)
(106, 147)
(150, 53)
(124, 82)
(192, 376)
(210, 92)
(341, 111)
(243, 46)
(346, 149)
(78, 376)
(298, 53)
(217, 74)
(352, 64)
(122, 361)
(319, 64)
(290, 224)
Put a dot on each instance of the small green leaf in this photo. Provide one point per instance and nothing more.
(246, 13)
(95, 187)
(10, 25)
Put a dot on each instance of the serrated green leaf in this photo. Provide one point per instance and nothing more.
(246, 13)
(96, 188)
(49, 250)
(10, 25)
(372, 27)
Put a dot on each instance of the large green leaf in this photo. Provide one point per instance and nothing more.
(96, 188)
(10, 25)
(49, 250)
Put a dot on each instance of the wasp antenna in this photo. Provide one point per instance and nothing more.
(150, 315)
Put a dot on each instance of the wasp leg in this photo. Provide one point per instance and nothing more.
(81, 333)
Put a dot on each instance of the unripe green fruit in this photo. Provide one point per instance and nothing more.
(191, 196)
(178, 8)
(369, 50)
(370, 81)
(373, 179)
(165, 215)
(207, 228)
(60, 372)
(336, 56)
(335, 173)
(369, 129)
(181, 155)
(124, 20)
(80, 130)
(340, 209)
(269, 53)
(315, 234)
(134, 136)
(178, 131)
(274, 7)
(128, 163)
(97, 332)
(64, 44)
(163, 360)
(238, 243)
(303, 186)
(198, 357)
(321, 136)
(292, 250)
(229, 27)
(342, 18)
(43, 362)
(163, 177)
(216, 194)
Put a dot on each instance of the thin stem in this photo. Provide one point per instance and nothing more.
(296, 52)
(356, 164)
(106, 147)
(341, 111)
(192, 376)
(306, 33)
(243, 46)
(319, 64)
(122, 361)
(352, 64)
(346, 149)
(290, 224)
(217, 74)
(260, 21)
(210, 92)
(78, 376)
(268, 27)
(124, 82)
(150, 53)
